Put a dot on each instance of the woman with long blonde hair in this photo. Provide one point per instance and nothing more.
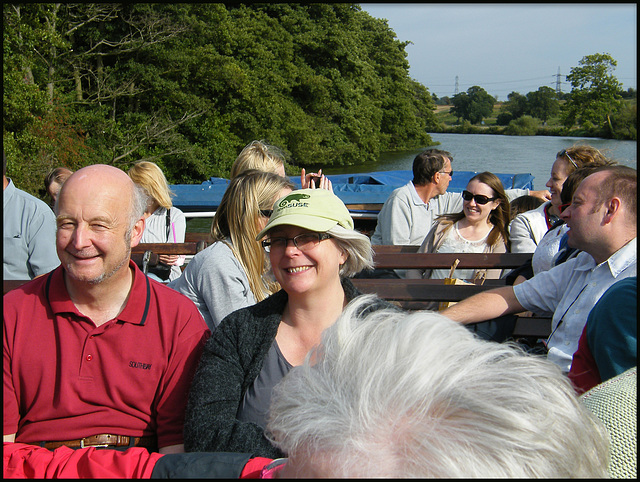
(164, 223)
(228, 274)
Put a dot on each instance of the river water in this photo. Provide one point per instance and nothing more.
(501, 154)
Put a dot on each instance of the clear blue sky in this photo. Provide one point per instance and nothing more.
(509, 47)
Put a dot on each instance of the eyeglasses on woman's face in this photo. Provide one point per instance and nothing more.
(266, 212)
(304, 242)
(479, 198)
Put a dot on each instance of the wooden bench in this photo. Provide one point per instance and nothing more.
(409, 294)
(10, 284)
(138, 253)
(195, 237)
(386, 258)
(419, 294)
(145, 255)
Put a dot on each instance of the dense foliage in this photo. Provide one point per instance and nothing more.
(594, 94)
(541, 104)
(473, 105)
(188, 85)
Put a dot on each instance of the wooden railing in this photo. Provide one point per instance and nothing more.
(410, 294)
(420, 294)
(145, 255)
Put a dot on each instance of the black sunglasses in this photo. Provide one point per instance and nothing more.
(479, 198)
(266, 212)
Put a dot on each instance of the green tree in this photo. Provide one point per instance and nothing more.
(461, 106)
(542, 103)
(594, 93)
(516, 105)
(473, 105)
(187, 85)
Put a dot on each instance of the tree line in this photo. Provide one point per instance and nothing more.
(188, 85)
(595, 104)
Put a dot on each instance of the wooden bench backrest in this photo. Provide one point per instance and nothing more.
(388, 259)
(195, 237)
(152, 250)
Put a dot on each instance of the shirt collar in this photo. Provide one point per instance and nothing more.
(622, 258)
(417, 200)
(134, 312)
(616, 263)
(8, 193)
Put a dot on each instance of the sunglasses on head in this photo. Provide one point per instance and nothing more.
(479, 198)
(564, 153)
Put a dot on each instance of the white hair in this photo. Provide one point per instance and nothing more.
(358, 249)
(401, 394)
(138, 205)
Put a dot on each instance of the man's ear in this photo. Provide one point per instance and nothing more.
(612, 207)
(136, 232)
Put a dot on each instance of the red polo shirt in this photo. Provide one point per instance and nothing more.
(65, 378)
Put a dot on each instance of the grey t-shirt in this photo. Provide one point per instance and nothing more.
(216, 282)
(255, 404)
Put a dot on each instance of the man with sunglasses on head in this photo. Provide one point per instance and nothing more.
(410, 211)
(602, 222)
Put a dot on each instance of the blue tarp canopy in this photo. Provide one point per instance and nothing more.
(368, 188)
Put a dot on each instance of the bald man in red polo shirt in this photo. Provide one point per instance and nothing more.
(96, 353)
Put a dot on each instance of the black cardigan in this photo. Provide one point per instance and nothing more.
(231, 361)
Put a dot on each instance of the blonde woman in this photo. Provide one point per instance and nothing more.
(228, 275)
(264, 157)
(164, 223)
(260, 156)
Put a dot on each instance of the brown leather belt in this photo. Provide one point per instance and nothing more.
(105, 440)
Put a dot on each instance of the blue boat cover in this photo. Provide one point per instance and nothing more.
(368, 188)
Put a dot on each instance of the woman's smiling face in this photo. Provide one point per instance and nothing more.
(559, 174)
(300, 272)
(475, 211)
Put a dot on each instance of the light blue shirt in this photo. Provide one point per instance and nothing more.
(29, 235)
(569, 291)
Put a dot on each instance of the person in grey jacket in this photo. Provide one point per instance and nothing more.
(227, 275)
(313, 249)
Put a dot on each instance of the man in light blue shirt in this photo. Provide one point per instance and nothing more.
(29, 233)
(602, 221)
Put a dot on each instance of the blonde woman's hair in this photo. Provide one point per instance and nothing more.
(237, 219)
(151, 178)
(258, 155)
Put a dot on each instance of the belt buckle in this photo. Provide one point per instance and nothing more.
(97, 445)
